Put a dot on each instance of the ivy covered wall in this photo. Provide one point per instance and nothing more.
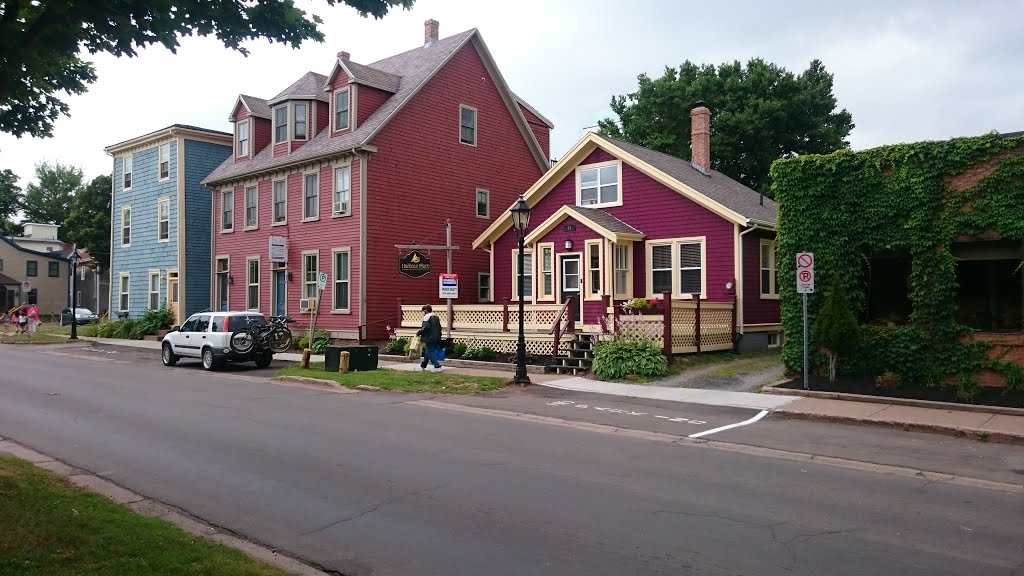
(915, 199)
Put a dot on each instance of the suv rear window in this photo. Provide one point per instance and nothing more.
(232, 323)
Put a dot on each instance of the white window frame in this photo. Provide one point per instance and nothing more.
(223, 204)
(306, 217)
(545, 272)
(774, 339)
(124, 291)
(242, 140)
(676, 268)
(126, 172)
(153, 274)
(308, 287)
(588, 285)
(163, 208)
(255, 222)
(476, 125)
(341, 207)
(295, 120)
(163, 156)
(287, 125)
(273, 188)
(250, 284)
(348, 109)
(483, 282)
(771, 266)
(227, 282)
(337, 279)
(597, 166)
(528, 272)
(126, 225)
(628, 270)
(487, 203)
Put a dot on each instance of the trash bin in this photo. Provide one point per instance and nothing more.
(361, 358)
(332, 358)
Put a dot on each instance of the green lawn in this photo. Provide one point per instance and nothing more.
(54, 328)
(38, 337)
(436, 382)
(50, 528)
(686, 362)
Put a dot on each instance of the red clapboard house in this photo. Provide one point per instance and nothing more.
(340, 168)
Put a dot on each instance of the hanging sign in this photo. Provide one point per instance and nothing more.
(448, 286)
(414, 264)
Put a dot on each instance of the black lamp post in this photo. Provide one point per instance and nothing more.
(74, 258)
(520, 221)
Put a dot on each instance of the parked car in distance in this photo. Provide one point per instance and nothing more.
(207, 336)
(82, 316)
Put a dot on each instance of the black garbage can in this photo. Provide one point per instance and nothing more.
(332, 358)
(360, 358)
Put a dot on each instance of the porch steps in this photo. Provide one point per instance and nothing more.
(574, 356)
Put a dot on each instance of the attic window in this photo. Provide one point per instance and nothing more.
(467, 125)
(281, 124)
(341, 109)
(598, 185)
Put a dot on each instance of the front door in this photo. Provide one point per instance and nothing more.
(280, 283)
(569, 287)
(172, 295)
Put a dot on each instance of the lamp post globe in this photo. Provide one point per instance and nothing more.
(521, 221)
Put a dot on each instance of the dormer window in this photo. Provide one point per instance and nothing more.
(281, 124)
(597, 185)
(242, 138)
(299, 119)
(341, 109)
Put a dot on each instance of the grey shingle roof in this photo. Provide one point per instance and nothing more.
(415, 67)
(258, 107)
(606, 220)
(716, 186)
(309, 87)
(373, 77)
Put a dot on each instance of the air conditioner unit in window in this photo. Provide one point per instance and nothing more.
(340, 207)
(307, 304)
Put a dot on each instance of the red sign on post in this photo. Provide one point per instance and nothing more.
(805, 273)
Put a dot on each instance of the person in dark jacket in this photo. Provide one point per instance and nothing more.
(430, 335)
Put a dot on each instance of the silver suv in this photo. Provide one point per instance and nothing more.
(207, 336)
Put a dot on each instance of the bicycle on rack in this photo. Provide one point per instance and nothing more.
(274, 336)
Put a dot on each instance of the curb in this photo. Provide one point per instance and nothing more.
(454, 362)
(156, 509)
(771, 389)
(977, 434)
(317, 382)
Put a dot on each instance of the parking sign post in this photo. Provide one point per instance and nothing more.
(321, 283)
(805, 286)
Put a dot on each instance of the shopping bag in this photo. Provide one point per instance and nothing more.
(414, 347)
(440, 353)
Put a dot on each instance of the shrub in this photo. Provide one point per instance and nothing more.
(968, 387)
(835, 329)
(397, 346)
(302, 342)
(459, 350)
(1013, 376)
(321, 339)
(888, 381)
(617, 359)
(106, 329)
(483, 353)
(155, 320)
(639, 304)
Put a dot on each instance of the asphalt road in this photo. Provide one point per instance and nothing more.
(373, 484)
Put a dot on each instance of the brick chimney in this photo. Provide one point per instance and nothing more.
(430, 31)
(343, 56)
(700, 137)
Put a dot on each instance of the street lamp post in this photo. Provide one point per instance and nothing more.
(74, 258)
(520, 221)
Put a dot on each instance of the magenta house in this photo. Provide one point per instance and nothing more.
(613, 221)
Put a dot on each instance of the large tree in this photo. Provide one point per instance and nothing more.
(88, 225)
(48, 200)
(10, 202)
(760, 112)
(41, 40)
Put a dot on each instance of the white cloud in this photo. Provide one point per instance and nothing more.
(906, 71)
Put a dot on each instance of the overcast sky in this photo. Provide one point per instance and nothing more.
(906, 70)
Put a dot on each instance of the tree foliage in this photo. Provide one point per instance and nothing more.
(10, 202)
(760, 113)
(835, 329)
(48, 200)
(916, 199)
(88, 224)
(41, 41)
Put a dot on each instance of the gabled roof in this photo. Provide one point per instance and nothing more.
(360, 74)
(415, 68)
(257, 107)
(172, 130)
(714, 191)
(309, 87)
(594, 218)
(526, 105)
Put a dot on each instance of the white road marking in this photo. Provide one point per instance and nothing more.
(759, 415)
